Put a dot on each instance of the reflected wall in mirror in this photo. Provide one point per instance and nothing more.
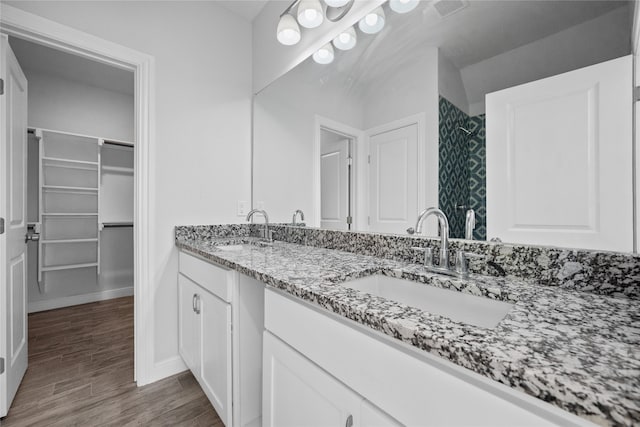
(518, 110)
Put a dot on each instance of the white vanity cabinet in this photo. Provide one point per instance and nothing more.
(302, 394)
(220, 337)
(320, 368)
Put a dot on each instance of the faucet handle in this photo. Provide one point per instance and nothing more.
(462, 266)
(428, 255)
(411, 230)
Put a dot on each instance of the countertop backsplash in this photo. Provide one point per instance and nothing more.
(599, 272)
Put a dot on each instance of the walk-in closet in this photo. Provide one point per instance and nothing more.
(80, 164)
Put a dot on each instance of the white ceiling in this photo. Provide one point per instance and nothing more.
(38, 58)
(484, 29)
(247, 9)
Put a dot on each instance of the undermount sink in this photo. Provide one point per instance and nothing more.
(457, 306)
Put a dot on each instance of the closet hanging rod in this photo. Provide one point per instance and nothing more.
(120, 144)
(117, 224)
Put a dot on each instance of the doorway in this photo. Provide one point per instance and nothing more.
(336, 158)
(336, 180)
(41, 31)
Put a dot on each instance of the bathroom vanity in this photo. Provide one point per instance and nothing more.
(340, 348)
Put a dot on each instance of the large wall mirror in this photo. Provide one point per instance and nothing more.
(520, 111)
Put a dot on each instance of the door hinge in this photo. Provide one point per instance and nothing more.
(1, 86)
(349, 220)
(368, 220)
(349, 161)
(1, 365)
(369, 159)
(636, 93)
(1, 225)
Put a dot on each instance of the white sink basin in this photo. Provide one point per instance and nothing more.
(458, 306)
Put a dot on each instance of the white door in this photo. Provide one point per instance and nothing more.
(296, 392)
(393, 180)
(216, 353)
(559, 160)
(334, 184)
(189, 324)
(13, 208)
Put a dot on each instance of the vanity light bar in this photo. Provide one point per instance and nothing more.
(372, 23)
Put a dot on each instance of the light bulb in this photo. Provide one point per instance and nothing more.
(336, 3)
(373, 22)
(346, 40)
(288, 32)
(324, 55)
(403, 6)
(310, 13)
(371, 19)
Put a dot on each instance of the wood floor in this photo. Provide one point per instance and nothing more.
(81, 374)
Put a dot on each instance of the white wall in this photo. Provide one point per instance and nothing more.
(450, 83)
(201, 149)
(413, 90)
(284, 133)
(573, 48)
(60, 104)
(272, 60)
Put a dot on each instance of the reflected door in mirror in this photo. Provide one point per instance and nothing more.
(559, 160)
(335, 181)
(393, 180)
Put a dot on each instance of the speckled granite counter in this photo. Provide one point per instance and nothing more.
(579, 351)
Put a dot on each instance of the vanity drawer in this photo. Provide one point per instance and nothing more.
(214, 278)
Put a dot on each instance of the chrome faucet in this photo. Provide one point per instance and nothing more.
(469, 224)
(444, 232)
(461, 267)
(266, 234)
(295, 215)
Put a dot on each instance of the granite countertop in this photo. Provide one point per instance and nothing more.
(576, 350)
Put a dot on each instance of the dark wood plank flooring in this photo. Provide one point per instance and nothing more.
(81, 374)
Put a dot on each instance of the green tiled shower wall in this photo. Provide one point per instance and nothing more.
(462, 171)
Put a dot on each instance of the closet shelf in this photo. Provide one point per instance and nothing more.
(62, 162)
(117, 169)
(69, 266)
(70, 161)
(66, 188)
(70, 241)
(69, 214)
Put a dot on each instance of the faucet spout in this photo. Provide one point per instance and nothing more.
(444, 232)
(265, 231)
(295, 215)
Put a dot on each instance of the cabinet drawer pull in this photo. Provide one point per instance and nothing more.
(349, 422)
(193, 302)
(197, 304)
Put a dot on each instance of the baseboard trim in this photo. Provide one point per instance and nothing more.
(165, 369)
(54, 303)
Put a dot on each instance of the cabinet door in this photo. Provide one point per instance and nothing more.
(189, 324)
(215, 377)
(297, 393)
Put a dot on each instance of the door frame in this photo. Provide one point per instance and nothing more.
(357, 136)
(428, 160)
(34, 28)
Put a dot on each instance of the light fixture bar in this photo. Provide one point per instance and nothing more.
(291, 6)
